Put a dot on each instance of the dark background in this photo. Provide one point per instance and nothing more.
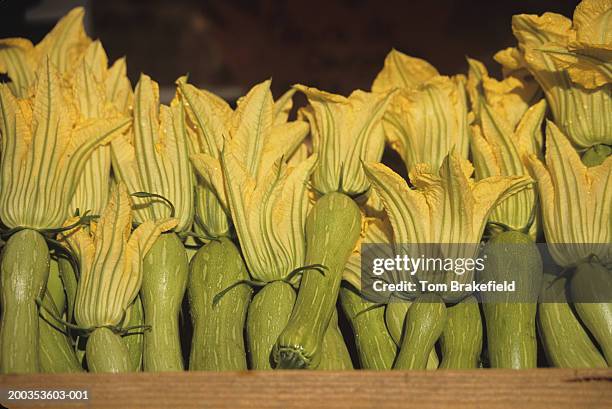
(228, 45)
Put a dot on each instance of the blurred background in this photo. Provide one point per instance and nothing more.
(228, 45)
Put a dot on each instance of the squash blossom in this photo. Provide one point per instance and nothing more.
(505, 130)
(448, 209)
(576, 202)
(63, 46)
(44, 135)
(428, 115)
(211, 122)
(111, 270)
(576, 210)
(153, 158)
(99, 92)
(571, 62)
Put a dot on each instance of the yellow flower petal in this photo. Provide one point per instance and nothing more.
(402, 71)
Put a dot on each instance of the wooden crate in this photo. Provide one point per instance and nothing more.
(537, 388)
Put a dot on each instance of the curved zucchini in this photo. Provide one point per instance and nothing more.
(165, 272)
(461, 339)
(425, 321)
(69, 280)
(332, 229)
(218, 341)
(334, 353)
(24, 269)
(591, 289)
(510, 319)
(565, 342)
(55, 349)
(375, 347)
(106, 352)
(134, 341)
(268, 315)
(395, 318)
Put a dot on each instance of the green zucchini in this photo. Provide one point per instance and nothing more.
(106, 351)
(218, 341)
(395, 319)
(268, 315)
(461, 339)
(55, 349)
(591, 288)
(134, 340)
(164, 281)
(511, 318)
(565, 342)
(24, 269)
(425, 321)
(596, 155)
(332, 230)
(375, 347)
(334, 353)
(69, 280)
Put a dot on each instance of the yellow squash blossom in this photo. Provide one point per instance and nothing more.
(267, 198)
(428, 116)
(45, 145)
(153, 157)
(449, 208)
(110, 261)
(345, 132)
(213, 123)
(63, 46)
(100, 92)
(559, 53)
(576, 202)
(505, 131)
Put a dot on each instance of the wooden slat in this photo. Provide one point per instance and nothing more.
(538, 388)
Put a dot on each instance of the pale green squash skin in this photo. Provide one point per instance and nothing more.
(24, 269)
(332, 230)
(268, 315)
(55, 349)
(375, 347)
(593, 282)
(511, 323)
(106, 352)
(134, 341)
(165, 273)
(395, 318)
(424, 324)
(334, 353)
(461, 339)
(565, 342)
(218, 341)
(596, 155)
(70, 284)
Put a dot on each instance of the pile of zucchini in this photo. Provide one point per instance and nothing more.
(139, 236)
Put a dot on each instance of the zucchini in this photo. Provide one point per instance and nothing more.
(334, 353)
(268, 315)
(69, 279)
(375, 347)
(332, 230)
(164, 281)
(591, 288)
(218, 341)
(461, 339)
(106, 351)
(134, 340)
(510, 318)
(55, 349)
(24, 269)
(395, 319)
(425, 321)
(565, 342)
